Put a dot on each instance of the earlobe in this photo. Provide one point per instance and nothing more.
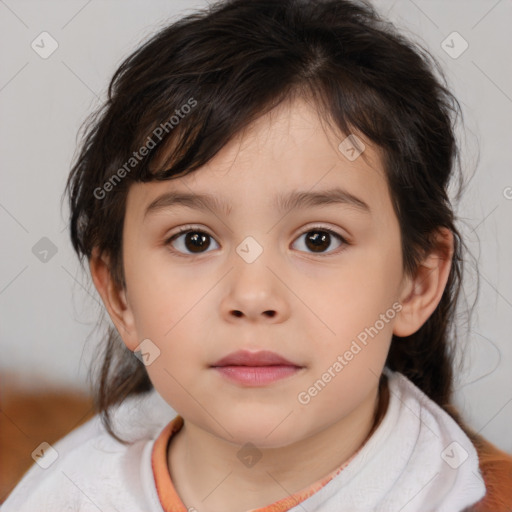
(113, 298)
(422, 294)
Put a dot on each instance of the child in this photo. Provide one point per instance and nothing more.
(303, 360)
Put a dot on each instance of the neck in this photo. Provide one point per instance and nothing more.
(208, 475)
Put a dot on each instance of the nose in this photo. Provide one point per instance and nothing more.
(255, 292)
(271, 313)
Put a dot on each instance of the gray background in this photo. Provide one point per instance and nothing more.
(49, 309)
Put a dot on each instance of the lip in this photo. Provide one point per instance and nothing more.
(255, 368)
(260, 358)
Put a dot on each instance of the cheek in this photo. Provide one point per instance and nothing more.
(356, 308)
(166, 303)
(355, 296)
(158, 294)
(166, 311)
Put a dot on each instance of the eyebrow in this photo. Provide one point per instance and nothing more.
(282, 202)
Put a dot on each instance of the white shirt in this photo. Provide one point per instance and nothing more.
(417, 460)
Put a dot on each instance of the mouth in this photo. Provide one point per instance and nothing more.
(260, 358)
(255, 368)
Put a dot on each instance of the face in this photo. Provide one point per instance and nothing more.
(317, 284)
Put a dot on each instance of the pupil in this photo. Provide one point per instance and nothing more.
(318, 240)
(199, 241)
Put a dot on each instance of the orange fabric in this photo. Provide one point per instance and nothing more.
(170, 500)
(167, 494)
(496, 469)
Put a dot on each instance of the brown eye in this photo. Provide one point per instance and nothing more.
(319, 239)
(194, 241)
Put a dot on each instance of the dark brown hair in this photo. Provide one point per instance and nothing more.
(235, 61)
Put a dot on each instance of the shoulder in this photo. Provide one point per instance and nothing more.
(496, 469)
(89, 469)
(74, 473)
(491, 464)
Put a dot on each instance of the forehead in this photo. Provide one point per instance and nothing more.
(283, 154)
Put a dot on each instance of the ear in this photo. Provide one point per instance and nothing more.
(114, 298)
(422, 293)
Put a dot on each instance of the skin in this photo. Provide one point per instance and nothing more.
(199, 308)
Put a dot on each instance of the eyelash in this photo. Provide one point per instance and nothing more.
(193, 229)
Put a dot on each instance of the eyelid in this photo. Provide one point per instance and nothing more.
(320, 226)
(196, 227)
(186, 228)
